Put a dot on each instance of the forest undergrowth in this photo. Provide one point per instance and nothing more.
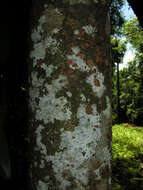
(127, 162)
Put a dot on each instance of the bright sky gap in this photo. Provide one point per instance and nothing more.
(130, 52)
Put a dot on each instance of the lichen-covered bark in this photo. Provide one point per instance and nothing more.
(70, 96)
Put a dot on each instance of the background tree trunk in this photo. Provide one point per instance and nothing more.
(70, 96)
(118, 95)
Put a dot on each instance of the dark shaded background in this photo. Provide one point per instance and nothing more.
(14, 32)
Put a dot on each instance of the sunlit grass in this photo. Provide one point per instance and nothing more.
(127, 164)
(127, 141)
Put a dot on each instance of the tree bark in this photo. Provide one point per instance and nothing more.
(70, 96)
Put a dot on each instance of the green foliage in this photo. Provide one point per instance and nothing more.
(118, 49)
(116, 16)
(117, 22)
(127, 163)
(131, 78)
(131, 95)
(129, 88)
(133, 33)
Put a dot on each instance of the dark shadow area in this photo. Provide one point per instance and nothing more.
(127, 174)
(14, 32)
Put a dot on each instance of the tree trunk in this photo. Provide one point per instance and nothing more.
(70, 96)
(118, 95)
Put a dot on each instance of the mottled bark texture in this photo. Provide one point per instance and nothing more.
(70, 96)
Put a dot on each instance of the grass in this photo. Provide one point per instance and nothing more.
(127, 164)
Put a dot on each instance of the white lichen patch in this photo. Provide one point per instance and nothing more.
(36, 34)
(75, 50)
(34, 90)
(107, 111)
(43, 44)
(76, 149)
(38, 52)
(76, 32)
(55, 31)
(80, 63)
(45, 5)
(42, 185)
(83, 98)
(90, 30)
(110, 180)
(98, 90)
(48, 69)
(40, 48)
(52, 44)
(35, 81)
(69, 94)
(40, 146)
(59, 107)
(42, 164)
(97, 173)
